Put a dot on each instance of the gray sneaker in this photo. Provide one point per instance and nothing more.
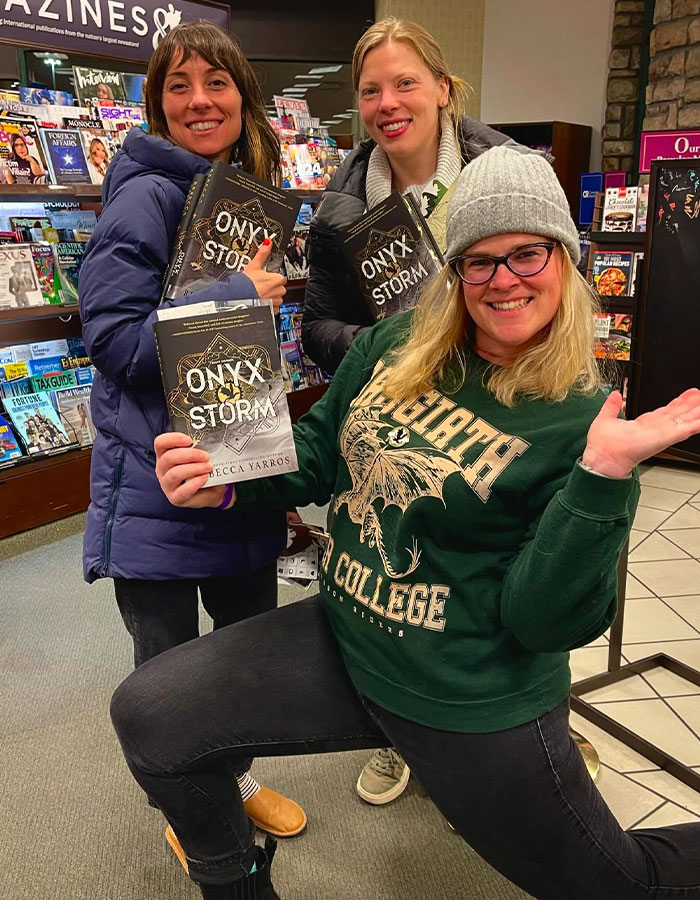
(384, 778)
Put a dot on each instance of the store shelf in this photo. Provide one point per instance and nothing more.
(43, 490)
(617, 237)
(48, 311)
(42, 192)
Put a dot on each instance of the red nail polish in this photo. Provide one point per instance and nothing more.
(266, 242)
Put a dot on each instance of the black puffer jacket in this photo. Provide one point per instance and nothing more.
(334, 311)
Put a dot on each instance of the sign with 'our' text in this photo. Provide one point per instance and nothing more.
(123, 30)
(667, 145)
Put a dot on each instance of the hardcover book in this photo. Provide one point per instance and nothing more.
(223, 387)
(234, 215)
(176, 253)
(620, 209)
(19, 281)
(92, 85)
(612, 273)
(73, 406)
(37, 423)
(65, 156)
(613, 336)
(393, 255)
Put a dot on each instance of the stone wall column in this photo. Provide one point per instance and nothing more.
(623, 86)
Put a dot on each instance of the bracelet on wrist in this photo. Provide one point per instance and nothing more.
(228, 494)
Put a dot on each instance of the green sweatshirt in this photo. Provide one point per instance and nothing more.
(469, 552)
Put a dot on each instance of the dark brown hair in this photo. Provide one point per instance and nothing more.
(257, 149)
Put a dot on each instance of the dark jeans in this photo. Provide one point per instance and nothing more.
(162, 614)
(276, 685)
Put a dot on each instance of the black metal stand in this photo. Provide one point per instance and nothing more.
(617, 672)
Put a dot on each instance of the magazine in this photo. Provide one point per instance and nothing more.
(69, 258)
(612, 273)
(92, 85)
(65, 156)
(21, 152)
(613, 336)
(19, 281)
(10, 451)
(73, 406)
(223, 387)
(99, 151)
(37, 423)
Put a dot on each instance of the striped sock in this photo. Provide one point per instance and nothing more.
(248, 786)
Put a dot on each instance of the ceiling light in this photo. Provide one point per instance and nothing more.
(351, 110)
(323, 70)
(312, 77)
(331, 122)
(298, 90)
(343, 115)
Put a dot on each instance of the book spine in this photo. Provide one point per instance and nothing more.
(170, 287)
(424, 228)
(184, 223)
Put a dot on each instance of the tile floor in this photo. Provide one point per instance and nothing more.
(662, 614)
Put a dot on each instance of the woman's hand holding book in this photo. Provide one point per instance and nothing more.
(182, 471)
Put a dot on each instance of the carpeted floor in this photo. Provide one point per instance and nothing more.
(74, 825)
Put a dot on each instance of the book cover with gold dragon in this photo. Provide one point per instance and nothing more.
(233, 215)
(223, 385)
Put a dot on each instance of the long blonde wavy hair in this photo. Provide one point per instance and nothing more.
(441, 329)
(429, 51)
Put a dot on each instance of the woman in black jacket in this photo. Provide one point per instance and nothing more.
(419, 141)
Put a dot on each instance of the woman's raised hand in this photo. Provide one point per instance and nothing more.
(182, 471)
(615, 446)
(269, 285)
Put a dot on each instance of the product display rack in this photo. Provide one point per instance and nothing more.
(42, 489)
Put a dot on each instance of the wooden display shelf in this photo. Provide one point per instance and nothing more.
(621, 238)
(47, 311)
(42, 192)
(44, 490)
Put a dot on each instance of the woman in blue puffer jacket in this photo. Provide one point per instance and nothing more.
(203, 105)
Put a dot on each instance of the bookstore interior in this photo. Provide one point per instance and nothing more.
(63, 118)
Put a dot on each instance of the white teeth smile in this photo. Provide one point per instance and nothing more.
(202, 126)
(394, 126)
(512, 304)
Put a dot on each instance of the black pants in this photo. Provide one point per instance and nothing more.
(276, 685)
(162, 614)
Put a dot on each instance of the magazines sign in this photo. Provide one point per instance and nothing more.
(116, 28)
(667, 145)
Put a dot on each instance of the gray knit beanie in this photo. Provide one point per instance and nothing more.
(504, 190)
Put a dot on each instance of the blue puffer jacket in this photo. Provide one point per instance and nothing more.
(132, 531)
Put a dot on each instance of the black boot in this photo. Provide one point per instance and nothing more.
(254, 887)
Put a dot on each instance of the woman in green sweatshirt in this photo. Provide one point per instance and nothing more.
(484, 488)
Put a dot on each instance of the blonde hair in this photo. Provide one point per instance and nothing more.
(257, 149)
(428, 50)
(549, 370)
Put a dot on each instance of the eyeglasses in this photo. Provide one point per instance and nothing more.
(530, 259)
